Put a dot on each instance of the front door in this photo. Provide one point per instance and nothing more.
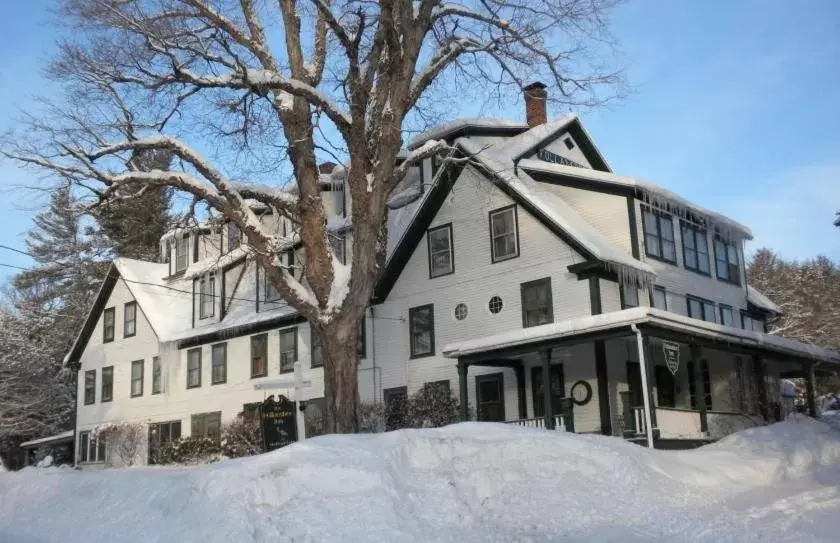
(490, 397)
(557, 389)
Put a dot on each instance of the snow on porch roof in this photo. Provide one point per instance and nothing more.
(639, 315)
(759, 299)
(63, 436)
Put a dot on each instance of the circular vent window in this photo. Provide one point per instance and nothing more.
(461, 311)
(495, 304)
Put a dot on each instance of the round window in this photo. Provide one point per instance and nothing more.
(495, 304)
(461, 311)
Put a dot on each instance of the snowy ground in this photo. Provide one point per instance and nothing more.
(468, 482)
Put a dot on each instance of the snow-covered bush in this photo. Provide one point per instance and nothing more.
(432, 406)
(372, 417)
(242, 438)
(190, 450)
(124, 440)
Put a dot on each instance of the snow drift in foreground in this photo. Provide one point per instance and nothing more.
(466, 482)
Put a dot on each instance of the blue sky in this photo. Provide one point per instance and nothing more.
(735, 106)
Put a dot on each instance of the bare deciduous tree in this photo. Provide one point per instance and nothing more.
(266, 83)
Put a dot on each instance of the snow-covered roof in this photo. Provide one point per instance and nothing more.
(643, 189)
(520, 144)
(638, 315)
(63, 436)
(759, 299)
(558, 211)
(459, 125)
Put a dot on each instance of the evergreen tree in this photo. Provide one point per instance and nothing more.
(132, 224)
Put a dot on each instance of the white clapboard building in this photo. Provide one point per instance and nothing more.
(533, 258)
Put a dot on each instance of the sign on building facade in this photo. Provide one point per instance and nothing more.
(672, 356)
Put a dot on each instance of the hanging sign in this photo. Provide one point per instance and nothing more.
(278, 422)
(672, 355)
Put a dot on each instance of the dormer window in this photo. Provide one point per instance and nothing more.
(234, 237)
(271, 293)
(182, 252)
(207, 297)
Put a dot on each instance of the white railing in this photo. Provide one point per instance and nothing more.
(539, 422)
(639, 420)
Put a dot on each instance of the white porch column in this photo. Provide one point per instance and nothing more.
(640, 344)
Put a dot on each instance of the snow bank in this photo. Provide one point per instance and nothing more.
(466, 482)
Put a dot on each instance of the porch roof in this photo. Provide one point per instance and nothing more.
(618, 322)
(57, 438)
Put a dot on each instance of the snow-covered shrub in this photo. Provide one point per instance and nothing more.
(432, 406)
(124, 440)
(190, 450)
(372, 417)
(242, 438)
(46, 462)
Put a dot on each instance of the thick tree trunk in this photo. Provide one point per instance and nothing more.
(341, 384)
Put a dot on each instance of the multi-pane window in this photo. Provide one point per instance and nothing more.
(259, 355)
(207, 296)
(504, 239)
(727, 263)
(182, 252)
(339, 247)
(537, 307)
(130, 319)
(421, 325)
(692, 383)
(659, 298)
(137, 378)
(194, 368)
(659, 235)
(107, 393)
(207, 425)
(726, 316)
(750, 323)
(161, 433)
(157, 376)
(90, 387)
(108, 325)
(90, 448)
(698, 308)
(629, 295)
(695, 248)
(441, 252)
(288, 349)
(234, 237)
(316, 350)
(271, 292)
(361, 340)
(218, 364)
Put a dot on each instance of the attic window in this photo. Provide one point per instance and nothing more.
(547, 156)
(569, 143)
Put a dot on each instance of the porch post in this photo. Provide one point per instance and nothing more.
(520, 390)
(603, 387)
(761, 384)
(699, 387)
(648, 410)
(463, 368)
(810, 389)
(546, 381)
(651, 382)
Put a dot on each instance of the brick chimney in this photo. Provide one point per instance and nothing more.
(326, 167)
(535, 104)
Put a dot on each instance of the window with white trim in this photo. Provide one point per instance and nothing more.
(218, 363)
(90, 448)
(137, 378)
(194, 368)
(504, 238)
(207, 296)
(441, 251)
(288, 349)
(182, 253)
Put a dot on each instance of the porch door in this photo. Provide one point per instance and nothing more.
(558, 389)
(666, 394)
(490, 397)
(634, 384)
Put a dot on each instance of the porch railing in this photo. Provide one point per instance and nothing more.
(539, 422)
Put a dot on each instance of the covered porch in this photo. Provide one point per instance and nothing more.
(648, 375)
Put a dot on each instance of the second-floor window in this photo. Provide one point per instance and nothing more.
(537, 307)
(316, 350)
(752, 324)
(629, 295)
(234, 237)
(727, 263)
(157, 376)
(726, 316)
(659, 235)
(698, 308)
(137, 378)
(107, 384)
(695, 249)
(194, 368)
(421, 325)
(130, 319)
(441, 253)
(259, 355)
(504, 238)
(108, 325)
(182, 253)
(207, 298)
(659, 298)
(271, 292)
(218, 370)
(288, 349)
(90, 387)
(339, 247)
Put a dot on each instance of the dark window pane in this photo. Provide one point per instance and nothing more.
(421, 330)
(288, 349)
(259, 355)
